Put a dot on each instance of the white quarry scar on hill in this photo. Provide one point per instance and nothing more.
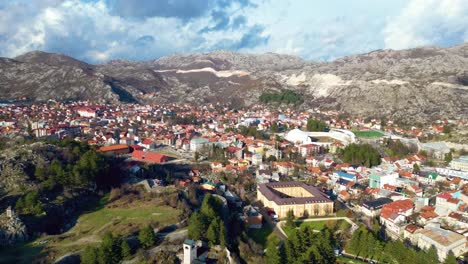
(220, 74)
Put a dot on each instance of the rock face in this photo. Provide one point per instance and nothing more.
(12, 229)
(421, 83)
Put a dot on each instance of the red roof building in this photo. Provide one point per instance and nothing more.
(150, 157)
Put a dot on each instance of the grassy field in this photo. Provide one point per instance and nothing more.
(317, 225)
(368, 134)
(342, 259)
(119, 217)
(264, 235)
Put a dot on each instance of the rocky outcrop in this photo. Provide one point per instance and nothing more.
(12, 229)
(417, 84)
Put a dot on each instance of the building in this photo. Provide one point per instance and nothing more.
(252, 217)
(86, 112)
(197, 144)
(303, 200)
(377, 179)
(116, 150)
(443, 240)
(373, 208)
(460, 163)
(393, 215)
(150, 157)
(194, 252)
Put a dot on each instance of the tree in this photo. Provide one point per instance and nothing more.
(416, 168)
(290, 219)
(274, 127)
(273, 255)
(89, 255)
(271, 158)
(432, 256)
(450, 259)
(212, 235)
(315, 125)
(197, 156)
(197, 226)
(109, 251)
(146, 236)
(222, 234)
(125, 249)
(448, 157)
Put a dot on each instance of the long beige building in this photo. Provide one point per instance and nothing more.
(303, 200)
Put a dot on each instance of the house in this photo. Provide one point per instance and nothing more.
(148, 144)
(150, 157)
(411, 233)
(344, 176)
(373, 208)
(426, 214)
(394, 214)
(308, 149)
(256, 159)
(252, 217)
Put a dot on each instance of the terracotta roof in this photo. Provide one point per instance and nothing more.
(113, 148)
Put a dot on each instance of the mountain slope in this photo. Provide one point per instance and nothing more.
(421, 83)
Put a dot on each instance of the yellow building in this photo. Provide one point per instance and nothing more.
(303, 200)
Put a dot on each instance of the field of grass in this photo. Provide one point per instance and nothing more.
(343, 259)
(317, 225)
(368, 134)
(264, 235)
(120, 218)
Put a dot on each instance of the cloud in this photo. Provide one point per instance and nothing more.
(184, 9)
(100, 30)
(428, 22)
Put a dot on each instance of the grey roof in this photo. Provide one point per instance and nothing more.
(268, 190)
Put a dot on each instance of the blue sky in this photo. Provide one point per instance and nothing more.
(101, 30)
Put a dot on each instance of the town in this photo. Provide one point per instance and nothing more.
(260, 185)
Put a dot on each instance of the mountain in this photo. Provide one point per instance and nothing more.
(413, 84)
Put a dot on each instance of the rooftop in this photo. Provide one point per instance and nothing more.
(269, 190)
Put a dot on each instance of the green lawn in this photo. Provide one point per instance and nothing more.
(348, 260)
(317, 225)
(116, 217)
(263, 236)
(368, 134)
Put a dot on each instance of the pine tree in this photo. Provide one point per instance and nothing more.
(273, 255)
(89, 255)
(146, 237)
(450, 259)
(213, 232)
(125, 249)
(197, 226)
(109, 251)
(222, 234)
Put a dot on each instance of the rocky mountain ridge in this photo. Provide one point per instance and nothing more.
(419, 84)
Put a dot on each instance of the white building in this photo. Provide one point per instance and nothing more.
(197, 144)
(460, 164)
(443, 240)
(86, 112)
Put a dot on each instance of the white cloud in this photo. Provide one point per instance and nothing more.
(428, 22)
(92, 30)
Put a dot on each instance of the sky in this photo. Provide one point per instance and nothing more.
(100, 30)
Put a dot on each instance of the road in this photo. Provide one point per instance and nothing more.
(274, 225)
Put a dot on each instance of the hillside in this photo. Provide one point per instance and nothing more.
(414, 84)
